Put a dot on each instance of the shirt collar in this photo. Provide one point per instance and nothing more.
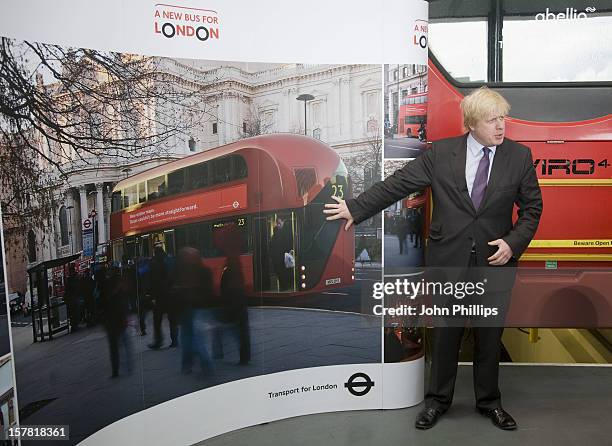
(475, 147)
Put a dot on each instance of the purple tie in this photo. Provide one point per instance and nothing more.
(480, 181)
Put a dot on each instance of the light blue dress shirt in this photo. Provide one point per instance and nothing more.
(472, 159)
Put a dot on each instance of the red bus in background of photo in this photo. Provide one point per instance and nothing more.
(253, 185)
(564, 276)
(412, 112)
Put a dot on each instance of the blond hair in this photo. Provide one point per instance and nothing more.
(481, 104)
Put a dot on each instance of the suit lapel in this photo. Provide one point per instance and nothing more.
(497, 172)
(458, 168)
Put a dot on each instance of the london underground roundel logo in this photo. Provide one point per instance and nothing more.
(359, 384)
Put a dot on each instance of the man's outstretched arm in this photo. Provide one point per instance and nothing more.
(413, 177)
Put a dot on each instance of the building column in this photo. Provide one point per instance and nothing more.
(83, 211)
(344, 105)
(100, 210)
(57, 232)
(71, 219)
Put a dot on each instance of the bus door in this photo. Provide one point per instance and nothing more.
(275, 252)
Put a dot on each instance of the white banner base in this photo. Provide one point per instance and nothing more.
(214, 411)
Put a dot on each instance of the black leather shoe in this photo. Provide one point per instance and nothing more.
(427, 418)
(500, 418)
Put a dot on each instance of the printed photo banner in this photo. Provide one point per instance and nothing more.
(317, 31)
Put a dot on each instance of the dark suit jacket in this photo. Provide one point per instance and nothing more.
(455, 224)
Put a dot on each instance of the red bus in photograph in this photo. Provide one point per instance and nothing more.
(412, 112)
(561, 108)
(263, 186)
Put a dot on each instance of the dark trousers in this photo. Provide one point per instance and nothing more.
(240, 331)
(158, 314)
(117, 336)
(445, 355)
(445, 352)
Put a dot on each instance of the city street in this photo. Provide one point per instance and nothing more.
(58, 379)
(402, 147)
(398, 264)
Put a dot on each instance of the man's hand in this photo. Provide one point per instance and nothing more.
(339, 210)
(503, 254)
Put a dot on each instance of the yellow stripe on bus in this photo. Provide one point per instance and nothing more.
(567, 257)
(593, 243)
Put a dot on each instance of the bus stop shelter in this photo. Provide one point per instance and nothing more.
(49, 313)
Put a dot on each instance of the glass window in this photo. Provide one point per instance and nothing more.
(550, 47)
(145, 246)
(176, 182)
(63, 221)
(221, 170)
(214, 128)
(240, 166)
(129, 248)
(198, 176)
(130, 196)
(240, 224)
(461, 47)
(142, 192)
(117, 249)
(156, 188)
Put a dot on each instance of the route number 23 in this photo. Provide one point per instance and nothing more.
(338, 191)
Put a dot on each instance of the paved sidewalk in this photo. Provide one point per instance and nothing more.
(396, 263)
(67, 380)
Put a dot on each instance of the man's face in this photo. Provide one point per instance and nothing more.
(490, 130)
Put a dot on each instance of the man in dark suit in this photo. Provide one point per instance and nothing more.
(475, 181)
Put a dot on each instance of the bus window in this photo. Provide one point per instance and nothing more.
(176, 182)
(306, 178)
(221, 170)
(145, 246)
(130, 196)
(116, 201)
(117, 250)
(188, 236)
(142, 193)
(156, 188)
(240, 223)
(461, 47)
(129, 250)
(198, 175)
(560, 49)
(240, 167)
(169, 242)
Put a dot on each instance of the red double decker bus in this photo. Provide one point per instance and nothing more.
(412, 113)
(263, 186)
(561, 109)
